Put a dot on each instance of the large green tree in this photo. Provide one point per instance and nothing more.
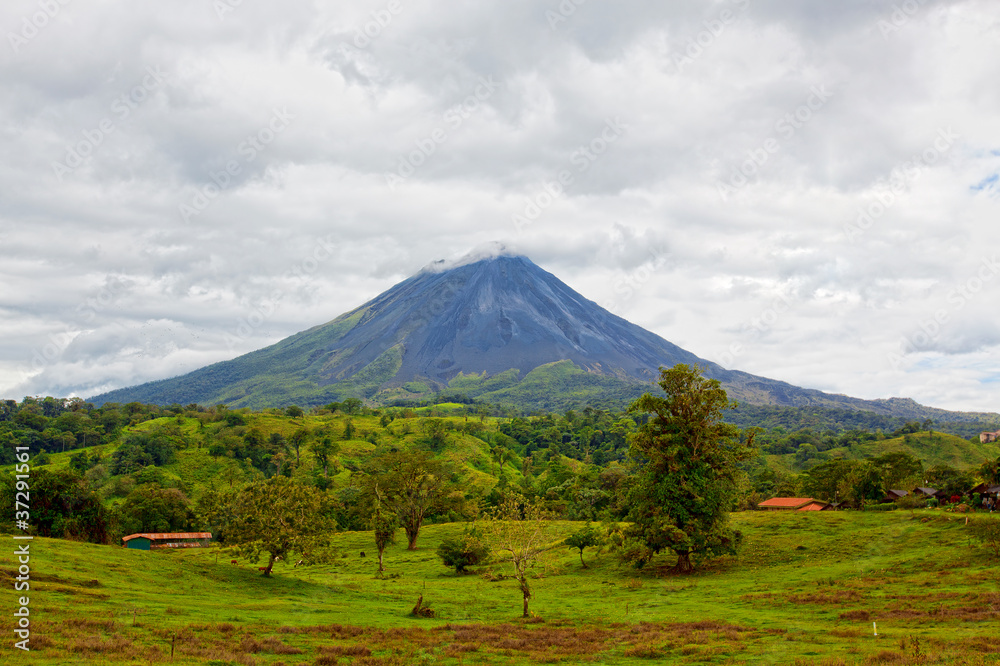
(411, 484)
(150, 508)
(688, 468)
(276, 516)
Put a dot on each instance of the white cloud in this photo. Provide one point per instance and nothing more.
(487, 104)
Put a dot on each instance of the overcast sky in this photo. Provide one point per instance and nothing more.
(802, 189)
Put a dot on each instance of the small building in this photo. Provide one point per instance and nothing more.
(925, 493)
(988, 437)
(893, 495)
(793, 504)
(156, 540)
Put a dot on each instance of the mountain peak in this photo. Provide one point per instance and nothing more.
(486, 251)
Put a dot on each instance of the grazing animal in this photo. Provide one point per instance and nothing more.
(362, 553)
(232, 561)
(261, 568)
(300, 562)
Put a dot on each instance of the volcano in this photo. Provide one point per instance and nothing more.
(497, 328)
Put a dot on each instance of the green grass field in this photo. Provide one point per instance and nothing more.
(806, 588)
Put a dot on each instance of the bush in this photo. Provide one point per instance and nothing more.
(464, 551)
(887, 506)
(933, 502)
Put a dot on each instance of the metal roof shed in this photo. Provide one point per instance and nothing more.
(156, 540)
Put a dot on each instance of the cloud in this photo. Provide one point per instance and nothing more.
(597, 139)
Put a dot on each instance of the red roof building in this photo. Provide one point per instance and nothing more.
(153, 540)
(793, 504)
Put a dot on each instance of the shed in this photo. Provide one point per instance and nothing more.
(893, 495)
(793, 504)
(156, 540)
(925, 492)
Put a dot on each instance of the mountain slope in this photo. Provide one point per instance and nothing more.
(500, 328)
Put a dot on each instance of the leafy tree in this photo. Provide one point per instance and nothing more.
(324, 450)
(898, 468)
(384, 526)
(688, 462)
(352, 406)
(410, 484)
(831, 480)
(515, 532)
(950, 480)
(276, 516)
(990, 471)
(149, 508)
(584, 538)
(294, 411)
(62, 506)
(868, 484)
(464, 551)
(298, 438)
(437, 433)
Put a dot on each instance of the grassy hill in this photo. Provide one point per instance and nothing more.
(805, 589)
(932, 448)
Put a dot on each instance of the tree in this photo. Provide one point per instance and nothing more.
(831, 480)
(411, 484)
(950, 480)
(384, 527)
(583, 538)
(62, 506)
(688, 473)
(323, 451)
(868, 484)
(515, 531)
(298, 438)
(899, 467)
(437, 433)
(990, 471)
(276, 516)
(352, 406)
(149, 508)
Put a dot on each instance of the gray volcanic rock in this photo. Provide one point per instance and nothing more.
(492, 315)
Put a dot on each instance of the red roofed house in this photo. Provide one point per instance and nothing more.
(793, 504)
(154, 540)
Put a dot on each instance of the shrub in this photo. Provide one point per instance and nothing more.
(464, 551)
